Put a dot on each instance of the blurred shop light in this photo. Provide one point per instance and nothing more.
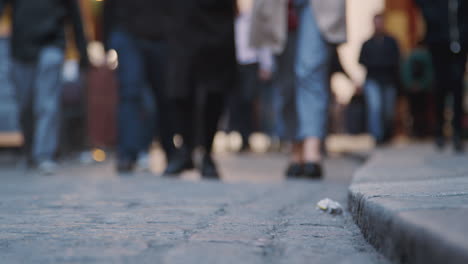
(71, 71)
(260, 142)
(112, 59)
(99, 155)
(178, 141)
(96, 53)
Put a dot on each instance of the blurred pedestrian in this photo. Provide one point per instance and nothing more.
(304, 32)
(37, 48)
(447, 39)
(138, 30)
(322, 26)
(274, 26)
(417, 75)
(202, 72)
(254, 66)
(381, 57)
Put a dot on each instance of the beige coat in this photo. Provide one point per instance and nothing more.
(269, 22)
(331, 19)
(269, 25)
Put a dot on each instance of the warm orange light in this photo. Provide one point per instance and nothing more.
(99, 155)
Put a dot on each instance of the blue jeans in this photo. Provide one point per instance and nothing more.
(284, 93)
(38, 95)
(312, 77)
(141, 62)
(380, 100)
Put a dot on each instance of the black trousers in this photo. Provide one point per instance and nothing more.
(420, 104)
(196, 117)
(241, 104)
(449, 78)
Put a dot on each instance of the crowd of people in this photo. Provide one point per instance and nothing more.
(205, 59)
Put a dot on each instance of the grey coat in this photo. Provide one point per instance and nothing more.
(269, 22)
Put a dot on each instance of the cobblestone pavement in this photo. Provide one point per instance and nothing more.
(91, 215)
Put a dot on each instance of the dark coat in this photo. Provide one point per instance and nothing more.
(146, 19)
(40, 23)
(381, 57)
(202, 49)
(436, 14)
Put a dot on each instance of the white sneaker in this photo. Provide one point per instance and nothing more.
(47, 167)
(143, 161)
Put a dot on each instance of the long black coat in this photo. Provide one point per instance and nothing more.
(202, 49)
(436, 14)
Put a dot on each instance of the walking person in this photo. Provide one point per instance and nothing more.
(447, 39)
(37, 49)
(274, 26)
(202, 72)
(417, 75)
(254, 66)
(322, 26)
(304, 32)
(381, 57)
(138, 31)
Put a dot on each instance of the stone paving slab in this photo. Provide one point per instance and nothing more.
(412, 204)
(92, 215)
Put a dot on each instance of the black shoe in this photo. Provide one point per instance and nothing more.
(245, 149)
(294, 170)
(458, 144)
(125, 165)
(313, 170)
(181, 161)
(208, 168)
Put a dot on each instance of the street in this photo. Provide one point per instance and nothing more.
(88, 214)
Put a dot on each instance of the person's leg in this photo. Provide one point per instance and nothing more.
(238, 108)
(442, 73)
(457, 82)
(372, 91)
(284, 93)
(47, 103)
(131, 82)
(313, 56)
(247, 104)
(182, 114)
(214, 104)
(284, 88)
(23, 77)
(389, 101)
(156, 58)
(212, 108)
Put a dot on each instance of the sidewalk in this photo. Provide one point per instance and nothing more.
(89, 214)
(411, 203)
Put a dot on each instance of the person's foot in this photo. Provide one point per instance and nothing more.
(458, 144)
(245, 149)
(440, 143)
(208, 168)
(294, 170)
(47, 167)
(180, 162)
(143, 161)
(313, 170)
(125, 165)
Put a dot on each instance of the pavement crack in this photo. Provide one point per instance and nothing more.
(322, 225)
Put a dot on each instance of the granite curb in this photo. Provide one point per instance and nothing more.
(411, 203)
